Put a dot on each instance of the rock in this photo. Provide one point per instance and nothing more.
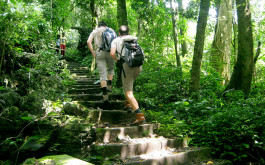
(72, 109)
(32, 103)
(56, 159)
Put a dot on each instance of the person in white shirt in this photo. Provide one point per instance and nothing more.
(130, 72)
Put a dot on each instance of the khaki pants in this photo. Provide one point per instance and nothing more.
(131, 73)
(105, 64)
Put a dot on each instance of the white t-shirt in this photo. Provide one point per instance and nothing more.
(63, 40)
(96, 36)
(118, 43)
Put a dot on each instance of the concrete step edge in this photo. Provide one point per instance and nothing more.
(188, 157)
(119, 133)
(133, 147)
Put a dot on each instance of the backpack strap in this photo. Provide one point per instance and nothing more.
(121, 64)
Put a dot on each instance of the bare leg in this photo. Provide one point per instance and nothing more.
(103, 83)
(110, 77)
(130, 97)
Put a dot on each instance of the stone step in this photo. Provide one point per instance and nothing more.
(78, 76)
(134, 147)
(191, 156)
(76, 71)
(77, 67)
(111, 105)
(111, 116)
(95, 97)
(84, 86)
(86, 81)
(57, 159)
(79, 70)
(84, 91)
(116, 134)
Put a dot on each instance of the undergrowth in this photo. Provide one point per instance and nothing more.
(226, 121)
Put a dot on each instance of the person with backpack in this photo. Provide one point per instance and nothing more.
(130, 56)
(63, 41)
(58, 42)
(102, 37)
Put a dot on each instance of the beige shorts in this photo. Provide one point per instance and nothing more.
(131, 74)
(105, 64)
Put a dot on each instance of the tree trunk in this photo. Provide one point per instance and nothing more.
(182, 29)
(175, 34)
(199, 44)
(139, 28)
(221, 48)
(257, 52)
(234, 34)
(256, 59)
(243, 69)
(122, 13)
(2, 58)
(93, 11)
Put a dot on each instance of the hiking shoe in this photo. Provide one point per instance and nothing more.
(139, 119)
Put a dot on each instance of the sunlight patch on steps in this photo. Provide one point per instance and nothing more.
(159, 154)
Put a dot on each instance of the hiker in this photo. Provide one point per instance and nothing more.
(57, 41)
(104, 61)
(63, 44)
(130, 73)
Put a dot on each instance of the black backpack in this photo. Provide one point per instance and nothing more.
(134, 55)
(107, 37)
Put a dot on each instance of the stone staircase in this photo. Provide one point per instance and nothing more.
(117, 142)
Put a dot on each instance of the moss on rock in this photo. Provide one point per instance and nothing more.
(56, 159)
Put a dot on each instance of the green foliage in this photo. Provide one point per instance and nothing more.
(227, 122)
(168, 89)
(232, 125)
(169, 125)
(235, 131)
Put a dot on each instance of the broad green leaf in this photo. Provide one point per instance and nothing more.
(26, 118)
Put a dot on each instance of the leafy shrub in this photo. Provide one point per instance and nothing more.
(235, 131)
(227, 122)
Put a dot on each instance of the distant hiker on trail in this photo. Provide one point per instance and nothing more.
(58, 42)
(129, 73)
(102, 37)
(63, 44)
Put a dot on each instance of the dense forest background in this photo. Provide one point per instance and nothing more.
(203, 76)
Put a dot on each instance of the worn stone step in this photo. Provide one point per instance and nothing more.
(76, 66)
(116, 134)
(80, 73)
(95, 97)
(58, 159)
(83, 86)
(79, 76)
(189, 156)
(111, 105)
(111, 116)
(134, 147)
(79, 70)
(86, 81)
(84, 91)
